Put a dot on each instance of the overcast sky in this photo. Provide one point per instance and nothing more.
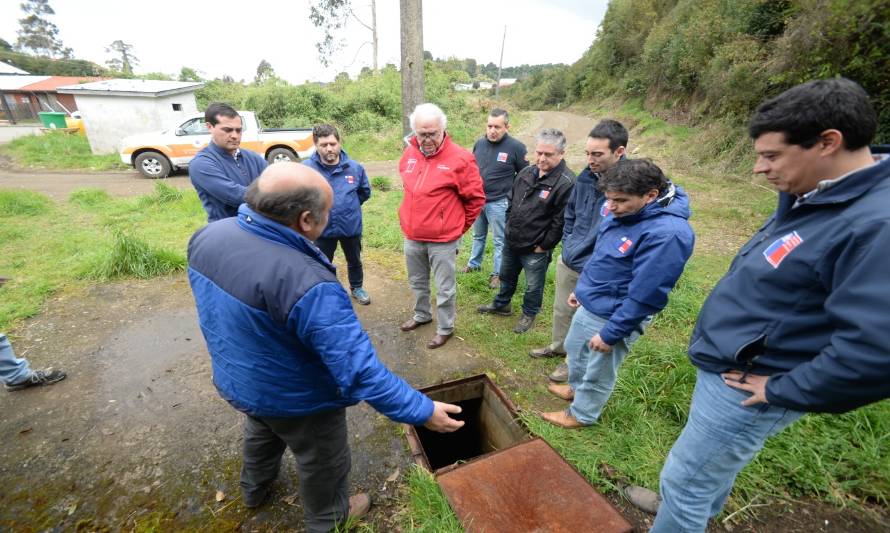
(217, 39)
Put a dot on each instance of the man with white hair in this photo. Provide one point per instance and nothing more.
(443, 196)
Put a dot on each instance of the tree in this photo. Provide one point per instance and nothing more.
(411, 26)
(127, 60)
(264, 72)
(38, 35)
(331, 16)
(5, 46)
(189, 74)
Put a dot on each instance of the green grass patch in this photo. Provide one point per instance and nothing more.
(23, 203)
(58, 150)
(429, 510)
(130, 256)
(89, 198)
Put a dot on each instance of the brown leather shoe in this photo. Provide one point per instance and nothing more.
(563, 419)
(359, 505)
(546, 351)
(413, 324)
(563, 392)
(438, 341)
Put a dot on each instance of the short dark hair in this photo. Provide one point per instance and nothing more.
(803, 112)
(324, 130)
(287, 206)
(498, 112)
(219, 109)
(612, 130)
(634, 176)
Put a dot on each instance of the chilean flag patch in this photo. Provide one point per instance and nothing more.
(780, 249)
(604, 210)
(350, 179)
(544, 194)
(625, 245)
(502, 157)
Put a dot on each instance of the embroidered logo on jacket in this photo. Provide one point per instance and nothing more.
(624, 244)
(780, 249)
(544, 194)
(443, 167)
(502, 157)
(604, 210)
(350, 179)
(409, 166)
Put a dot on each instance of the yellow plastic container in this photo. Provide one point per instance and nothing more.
(75, 123)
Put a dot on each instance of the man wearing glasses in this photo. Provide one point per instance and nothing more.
(222, 171)
(443, 196)
(535, 218)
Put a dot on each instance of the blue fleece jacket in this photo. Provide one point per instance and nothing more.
(221, 179)
(351, 190)
(283, 338)
(807, 300)
(635, 264)
(584, 212)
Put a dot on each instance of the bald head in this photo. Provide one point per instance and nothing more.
(294, 195)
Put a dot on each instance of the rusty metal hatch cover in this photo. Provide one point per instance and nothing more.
(497, 478)
(527, 488)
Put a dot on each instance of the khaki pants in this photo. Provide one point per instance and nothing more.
(421, 258)
(566, 279)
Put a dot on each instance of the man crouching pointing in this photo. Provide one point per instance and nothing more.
(286, 347)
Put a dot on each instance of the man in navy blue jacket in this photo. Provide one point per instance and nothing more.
(222, 171)
(605, 147)
(286, 347)
(799, 322)
(640, 252)
(351, 189)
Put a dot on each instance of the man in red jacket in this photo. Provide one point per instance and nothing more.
(443, 196)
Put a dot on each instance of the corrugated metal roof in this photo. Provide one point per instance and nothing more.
(6, 68)
(13, 83)
(54, 82)
(124, 87)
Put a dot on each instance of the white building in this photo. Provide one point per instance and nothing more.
(113, 109)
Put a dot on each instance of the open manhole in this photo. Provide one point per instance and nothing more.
(497, 478)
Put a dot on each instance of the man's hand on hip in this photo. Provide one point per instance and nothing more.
(573, 301)
(754, 384)
(440, 421)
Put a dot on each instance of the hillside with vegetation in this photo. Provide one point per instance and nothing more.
(715, 60)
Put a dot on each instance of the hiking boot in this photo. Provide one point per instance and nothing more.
(38, 378)
(561, 374)
(258, 498)
(494, 282)
(489, 309)
(546, 351)
(525, 323)
(361, 295)
(467, 269)
(564, 419)
(643, 498)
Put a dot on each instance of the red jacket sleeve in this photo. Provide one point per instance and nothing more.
(471, 191)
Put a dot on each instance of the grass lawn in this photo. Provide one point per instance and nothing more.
(843, 460)
(58, 150)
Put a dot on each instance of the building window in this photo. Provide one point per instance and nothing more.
(177, 107)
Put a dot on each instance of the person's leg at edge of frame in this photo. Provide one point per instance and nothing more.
(352, 249)
(443, 260)
(594, 388)
(261, 460)
(327, 246)
(511, 266)
(566, 279)
(417, 262)
(320, 445)
(535, 266)
(12, 369)
(719, 439)
(497, 219)
(480, 231)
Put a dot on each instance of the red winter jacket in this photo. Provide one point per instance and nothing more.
(443, 192)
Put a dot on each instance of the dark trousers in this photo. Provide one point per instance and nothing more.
(535, 266)
(320, 445)
(352, 249)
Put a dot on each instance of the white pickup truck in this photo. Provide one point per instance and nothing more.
(157, 154)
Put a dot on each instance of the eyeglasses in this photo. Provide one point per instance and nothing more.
(429, 136)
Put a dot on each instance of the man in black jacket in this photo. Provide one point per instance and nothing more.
(537, 203)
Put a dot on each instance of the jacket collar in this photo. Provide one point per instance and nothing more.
(851, 187)
(221, 152)
(551, 178)
(253, 222)
(344, 162)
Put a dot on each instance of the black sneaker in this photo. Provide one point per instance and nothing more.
(489, 309)
(525, 323)
(38, 378)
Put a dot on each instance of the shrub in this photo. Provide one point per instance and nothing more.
(381, 183)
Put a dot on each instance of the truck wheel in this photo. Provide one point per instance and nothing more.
(152, 165)
(279, 155)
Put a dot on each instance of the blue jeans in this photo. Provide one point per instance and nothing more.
(535, 266)
(719, 439)
(592, 374)
(494, 214)
(12, 369)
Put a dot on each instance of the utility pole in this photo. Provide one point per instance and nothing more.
(497, 88)
(411, 19)
(374, 29)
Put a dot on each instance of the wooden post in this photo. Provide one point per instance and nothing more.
(413, 92)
